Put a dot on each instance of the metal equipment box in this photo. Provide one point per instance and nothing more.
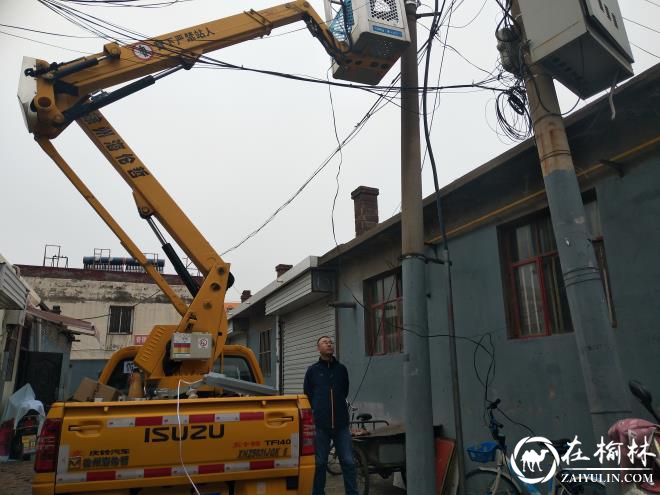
(194, 345)
(581, 43)
(372, 28)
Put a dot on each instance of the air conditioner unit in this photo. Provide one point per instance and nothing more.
(374, 29)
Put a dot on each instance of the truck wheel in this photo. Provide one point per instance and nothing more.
(362, 468)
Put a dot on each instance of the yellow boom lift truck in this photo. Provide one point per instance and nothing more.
(197, 418)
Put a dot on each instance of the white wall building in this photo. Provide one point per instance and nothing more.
(123, 306)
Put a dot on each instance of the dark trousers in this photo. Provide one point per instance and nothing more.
(344, 449)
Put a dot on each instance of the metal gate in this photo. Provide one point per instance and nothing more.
(42, 370)
(302, 328)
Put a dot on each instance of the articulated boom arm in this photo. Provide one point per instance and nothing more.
(118, 64)
(62, 90)
(54, 95)
(206, 313)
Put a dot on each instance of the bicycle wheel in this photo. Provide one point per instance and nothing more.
(333, 465)
(362, 470)
(480, 482)
(583, 488)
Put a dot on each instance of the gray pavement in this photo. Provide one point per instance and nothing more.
(377, 486)
(16, 476)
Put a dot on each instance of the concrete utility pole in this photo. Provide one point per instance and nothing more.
(607, 394)
(420, 449)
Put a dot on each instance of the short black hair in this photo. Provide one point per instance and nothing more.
(322, 337)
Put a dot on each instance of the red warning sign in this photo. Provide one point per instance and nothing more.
(143, 51)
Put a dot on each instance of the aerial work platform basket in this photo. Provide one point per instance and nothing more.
(373, 29)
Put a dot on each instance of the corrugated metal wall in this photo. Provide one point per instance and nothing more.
(13, 292)
(290, 293)
(302, 329)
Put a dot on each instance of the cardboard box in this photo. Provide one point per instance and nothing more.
(93, 391)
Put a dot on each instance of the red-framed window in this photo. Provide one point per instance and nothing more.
(383, 314)
(534, 285)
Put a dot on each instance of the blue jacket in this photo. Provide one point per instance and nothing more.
(326, 385)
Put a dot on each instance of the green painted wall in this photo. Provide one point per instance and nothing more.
(539, 380)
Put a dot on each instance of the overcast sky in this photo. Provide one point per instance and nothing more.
(232, 146)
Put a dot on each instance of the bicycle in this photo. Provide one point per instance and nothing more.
(360, 422)
(498, 480)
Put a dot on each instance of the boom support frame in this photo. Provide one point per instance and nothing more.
(54, 95)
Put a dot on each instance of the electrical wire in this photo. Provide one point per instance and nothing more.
(425, 89)
(238, 292)
(341, 161)
(72, 15)
(435, 27)
(642, 25)
(644, 50)
(507, 19)
(372, 110)
(446, 259)
(96, 334)
(517, 423)
(205, 59)
(421, 56)
(95, 25)
(180, 435)
(437, 100)
(125, 3)
(484, 381)
(78, 17)
(490, 373)
(478, 344)
(378, 90)
(511, 105)
(141, 301)
(460, 55)
(48, 32)
(351, 135)
(43, 42)
(512, 114)
(346, 140)
(300, 189)
(512, 110)
(471, 20)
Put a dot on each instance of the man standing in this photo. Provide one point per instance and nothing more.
(326, 385)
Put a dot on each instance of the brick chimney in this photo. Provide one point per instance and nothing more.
(245, 295)
(365, 200)
(282, 269)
